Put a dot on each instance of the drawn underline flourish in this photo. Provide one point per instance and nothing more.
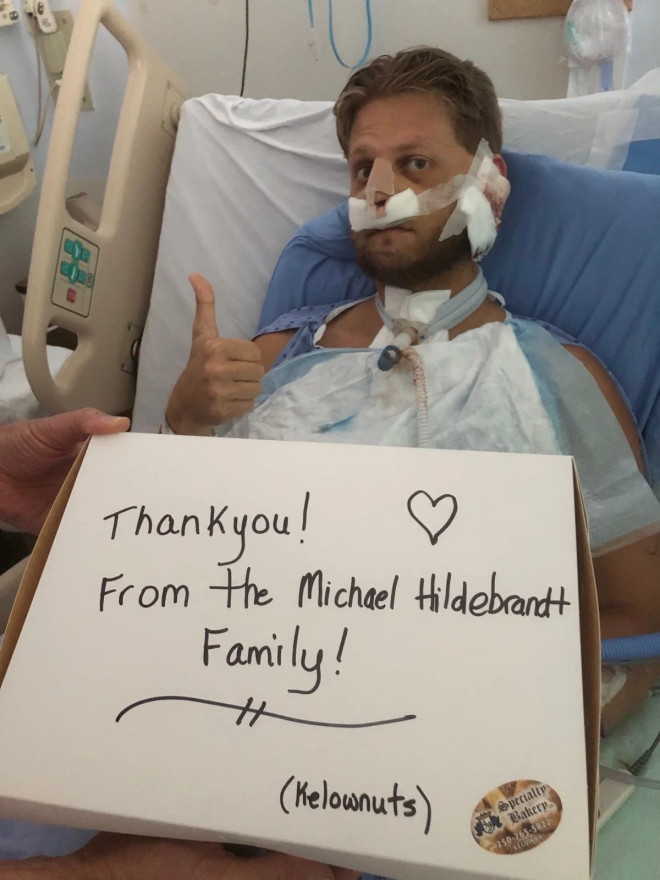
(257, 713)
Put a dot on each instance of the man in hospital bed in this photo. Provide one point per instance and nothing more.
(434, 358)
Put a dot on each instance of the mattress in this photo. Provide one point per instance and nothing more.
(16, 398)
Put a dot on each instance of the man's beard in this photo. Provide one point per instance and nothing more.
(430, 259)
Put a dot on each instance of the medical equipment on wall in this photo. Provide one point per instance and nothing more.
(331, 33)
(72, 245)
(596, 31)
(246, 47)
(40, 14)
(8, 14)
(17, 177)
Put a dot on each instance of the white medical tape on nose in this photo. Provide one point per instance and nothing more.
(403, 206)
(399, 208)
(380, 185)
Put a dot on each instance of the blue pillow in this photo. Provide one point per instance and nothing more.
(644, 156)
(643, 153)
(578, 247)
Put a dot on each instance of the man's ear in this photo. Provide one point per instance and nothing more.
(500, 163)
(497, 190)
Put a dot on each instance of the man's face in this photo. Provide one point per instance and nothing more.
(413, 132)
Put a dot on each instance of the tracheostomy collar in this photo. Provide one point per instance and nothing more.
(480, 196)
(437, 310)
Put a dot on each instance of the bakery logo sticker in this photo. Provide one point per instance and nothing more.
(516, 817)
(486, 824)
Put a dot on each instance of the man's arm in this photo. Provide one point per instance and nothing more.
(628, 579)
(124, 857)
(628, 582)
(271, 344)
(223, 376)
(35, 457)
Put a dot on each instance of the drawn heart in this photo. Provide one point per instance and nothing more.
(433, 515)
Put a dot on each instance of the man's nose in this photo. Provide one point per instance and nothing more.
(380, 185)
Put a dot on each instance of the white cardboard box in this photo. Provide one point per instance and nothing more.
(439, 729)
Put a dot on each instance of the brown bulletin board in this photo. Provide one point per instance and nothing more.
(499, 9)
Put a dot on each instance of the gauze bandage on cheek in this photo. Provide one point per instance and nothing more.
(480, 203)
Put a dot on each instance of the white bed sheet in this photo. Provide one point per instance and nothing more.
(16, 398)
(246, 174)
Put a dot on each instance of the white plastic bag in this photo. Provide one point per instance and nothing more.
(595, 32)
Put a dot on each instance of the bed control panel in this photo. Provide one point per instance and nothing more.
(75, 275)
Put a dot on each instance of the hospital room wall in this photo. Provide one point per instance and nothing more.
(645, 42)
(91, 157)
(521, 56)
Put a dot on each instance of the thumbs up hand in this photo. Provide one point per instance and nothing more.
(222, 377)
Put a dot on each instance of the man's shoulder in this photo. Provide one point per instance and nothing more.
(301, 316)
(292, 333)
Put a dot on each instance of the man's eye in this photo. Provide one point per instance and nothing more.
(361, 174)
(417, 163)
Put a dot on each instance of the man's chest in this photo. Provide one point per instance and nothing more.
(353, 328)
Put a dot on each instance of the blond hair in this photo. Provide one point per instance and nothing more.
(465, 90)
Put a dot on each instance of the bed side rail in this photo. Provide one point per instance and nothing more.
(96, 282)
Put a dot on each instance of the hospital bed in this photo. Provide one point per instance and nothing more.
(230, 212)
(247, 175)
(17, 400)
(91, 278)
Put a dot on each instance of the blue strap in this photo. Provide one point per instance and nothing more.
(331, 27)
